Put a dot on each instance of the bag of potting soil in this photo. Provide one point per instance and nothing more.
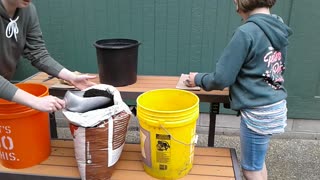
(99, 128)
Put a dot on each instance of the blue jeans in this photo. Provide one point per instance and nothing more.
(254, 148)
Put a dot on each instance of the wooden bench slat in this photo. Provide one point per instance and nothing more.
(132, 147)
(62, 143)
(60, 161)
(212, 170)
(207, 151)
(141, 175)
(56, 151)
(129, 165)
(212, 161)
(133, 156)
(46, 170)
(132, 175)
(202, 177)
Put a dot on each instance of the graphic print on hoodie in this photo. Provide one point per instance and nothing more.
(275, 67)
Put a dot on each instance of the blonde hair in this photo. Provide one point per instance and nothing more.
(249, 5)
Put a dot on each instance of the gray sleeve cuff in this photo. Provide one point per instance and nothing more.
(7, 89)
(198, 79)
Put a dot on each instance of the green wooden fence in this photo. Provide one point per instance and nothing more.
(178, 36)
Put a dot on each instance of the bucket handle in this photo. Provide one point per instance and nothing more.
(187, 144)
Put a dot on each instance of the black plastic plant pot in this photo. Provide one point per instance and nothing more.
(117, 61)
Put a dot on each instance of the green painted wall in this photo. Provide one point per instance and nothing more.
(303, 75)
(178, 36)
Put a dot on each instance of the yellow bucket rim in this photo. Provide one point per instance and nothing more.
(196, 104)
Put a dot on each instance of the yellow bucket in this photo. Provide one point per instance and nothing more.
(167, 119)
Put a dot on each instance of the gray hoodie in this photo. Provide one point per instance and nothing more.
(22, 36)
(252, 64)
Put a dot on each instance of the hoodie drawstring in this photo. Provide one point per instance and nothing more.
(12, 29)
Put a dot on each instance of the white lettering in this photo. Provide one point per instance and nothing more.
(272, 57)
(8, 156)
(4, 155)
(12, 157)
(7, 142)
(5, 129)
(8, 130)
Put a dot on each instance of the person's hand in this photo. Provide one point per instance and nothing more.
(48, 104)
(77, 79)
(190, 80)
(82, 81)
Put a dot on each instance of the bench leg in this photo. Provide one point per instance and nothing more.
(53, 126)
(214, 110)
(235, 164)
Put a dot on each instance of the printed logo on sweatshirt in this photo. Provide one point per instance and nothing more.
(275, 67)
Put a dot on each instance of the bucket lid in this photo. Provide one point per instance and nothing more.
(116, 43)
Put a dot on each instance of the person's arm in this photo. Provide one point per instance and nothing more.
(46, 103)
(228, 65)
(35, 50)
(10, 92)
(7, 89)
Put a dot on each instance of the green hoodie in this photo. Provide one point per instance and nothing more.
(26, 42)
(252, 64)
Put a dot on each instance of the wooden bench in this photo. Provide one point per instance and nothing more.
(209, 163)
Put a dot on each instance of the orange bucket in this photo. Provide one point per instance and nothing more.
(24, 132)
